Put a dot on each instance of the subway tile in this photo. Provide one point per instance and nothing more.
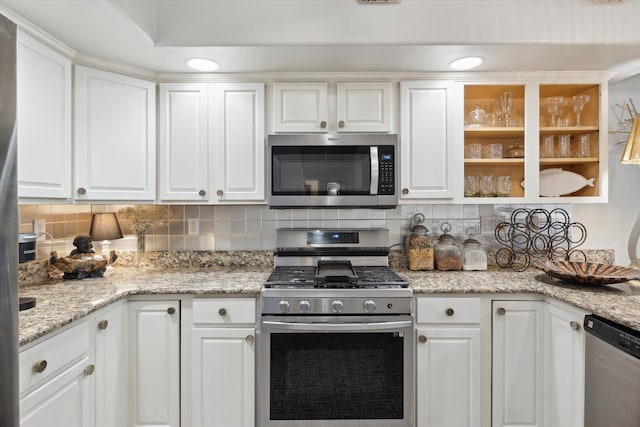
(347, 223)
(208, 243)
(470, 212)
(362, 223)
(27, 213)
(315, 214)
(223, 243)
(439, 212)
(426, 210)
(207, 213)
(331, 214)
(315, 223)
(302, 223)
(238, 227)
(161, 243)
(268, 242)
(454, 211)
(176, 243)
(192, 243)
(177, 212)
(223, 213)
(237, 213)
(207, 227)
(253, 227)
(269, 227)
(284, 215)
(253, 242)
(222, 228)
(268, 214)
(377, 223)
(253, 213)
(177, 228)
(192, 211)
(377, 214)
(299, 214)
(238, 242)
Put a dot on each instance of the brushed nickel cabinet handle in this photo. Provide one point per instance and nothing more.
(222, 311)
(90, 369)
(323, 124)
(103, 324)
(202, 193)
(171, 310)
(250, 339)
(341, 124)
(219, 193)
(574, 325)
(450, 312)
(82, 191)
(501, 311)
(405, 191)
(422, 339)
(39, 366)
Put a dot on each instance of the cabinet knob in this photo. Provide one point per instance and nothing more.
(422, 339)
(202, 193)
(250, 339)
(501, 311)
(574, 325)
(323, 124)
(341, 124)
(39, 366)
(405, 191)
(103, 324)
(222, 311)
(82, 191)
(171, 310)
(90, 369)
(450, 312)
(219, 193)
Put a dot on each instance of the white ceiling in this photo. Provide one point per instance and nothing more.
(253, 36)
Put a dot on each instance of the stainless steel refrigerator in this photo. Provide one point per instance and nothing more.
(8, 228)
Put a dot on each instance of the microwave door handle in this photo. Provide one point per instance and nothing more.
(294, 326)
(375, 170)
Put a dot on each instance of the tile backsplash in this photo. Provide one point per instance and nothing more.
(253, 227)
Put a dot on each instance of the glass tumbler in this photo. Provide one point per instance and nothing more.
(547, 149)
(473, 151)
(471, 186)
(503, 186)
(583, 148)
(487, 187)
(564, 146)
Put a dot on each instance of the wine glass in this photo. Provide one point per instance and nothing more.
(553, 104)
(506, 99)
(578, 104)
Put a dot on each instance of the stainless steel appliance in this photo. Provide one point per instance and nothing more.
(612, 374)
(26, 247)
(336, 334)
(9, 229)
(320, 170)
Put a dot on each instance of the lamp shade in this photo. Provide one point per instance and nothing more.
(104, 226)
(632, 150)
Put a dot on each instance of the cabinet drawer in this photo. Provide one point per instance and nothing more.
(448, 310)
(57, 353)
(224, 310)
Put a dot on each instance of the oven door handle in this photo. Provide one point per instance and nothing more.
(295, 326)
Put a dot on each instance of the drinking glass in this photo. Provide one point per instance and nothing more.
(503, 186)
(583, 148)
(499, 111)
(564, 146)
(578, 104)
(547, 149)
(470, 186)
(506, 99)
(553, 104)
(487, 188)
(473, 151)
(492, 151)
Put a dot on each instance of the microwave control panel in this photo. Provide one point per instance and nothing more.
(386, 180)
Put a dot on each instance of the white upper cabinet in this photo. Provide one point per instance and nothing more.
(300, 107)
(184, 142)
(238, 135)
(364, 107)
(44, 120)
(115, 138)
(427, 140)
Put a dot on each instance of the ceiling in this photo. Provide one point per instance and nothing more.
(270, 36)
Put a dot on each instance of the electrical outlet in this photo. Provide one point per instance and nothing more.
(194, 225)
(40, 228)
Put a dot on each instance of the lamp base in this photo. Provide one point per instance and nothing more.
(105, 248)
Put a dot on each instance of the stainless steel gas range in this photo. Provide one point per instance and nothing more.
(336, 334)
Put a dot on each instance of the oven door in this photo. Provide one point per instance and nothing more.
(339, 371)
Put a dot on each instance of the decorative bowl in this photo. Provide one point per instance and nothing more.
(588, 273)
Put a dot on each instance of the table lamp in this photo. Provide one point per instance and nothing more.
(631, 155)
(105, 227)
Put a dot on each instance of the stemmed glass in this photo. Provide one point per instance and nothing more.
(552, 104)
(506, 100)
(578, 104)
(499, 111)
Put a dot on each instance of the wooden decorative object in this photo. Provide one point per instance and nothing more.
(588, 273)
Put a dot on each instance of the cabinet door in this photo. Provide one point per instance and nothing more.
(110, 326)
(223, 377)
(238, 138)
(300, 107)
(448, 377)
(364, 107)
(518, 363)
(427, 140)
(564, 370)
(44, 120)
(66, 400)
(184, 142)
(154, 363)
(115, 138)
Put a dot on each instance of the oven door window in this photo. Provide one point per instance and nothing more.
(336, 376)
(325, 171)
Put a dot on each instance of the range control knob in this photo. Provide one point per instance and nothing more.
(304, 306)
(369, 306)
(337, 306)
(284, 306)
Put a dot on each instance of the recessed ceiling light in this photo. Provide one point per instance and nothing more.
(466, 63)
(202, 64)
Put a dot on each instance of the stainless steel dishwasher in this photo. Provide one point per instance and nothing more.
(612, 374)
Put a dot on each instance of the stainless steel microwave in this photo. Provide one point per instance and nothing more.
(332, 171)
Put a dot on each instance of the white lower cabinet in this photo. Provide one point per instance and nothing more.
(223, 363)
(518, 363)
(448, 362)
(57, 381)
(154, 363)
(564, 370)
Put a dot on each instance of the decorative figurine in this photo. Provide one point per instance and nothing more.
(82, 262)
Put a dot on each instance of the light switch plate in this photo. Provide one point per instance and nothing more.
(488, 224)
(194, 226)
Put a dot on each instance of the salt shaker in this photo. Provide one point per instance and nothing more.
(447, 251)
(419, 246)
(473, 256)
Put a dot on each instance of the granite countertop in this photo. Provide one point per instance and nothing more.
(62, 302)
